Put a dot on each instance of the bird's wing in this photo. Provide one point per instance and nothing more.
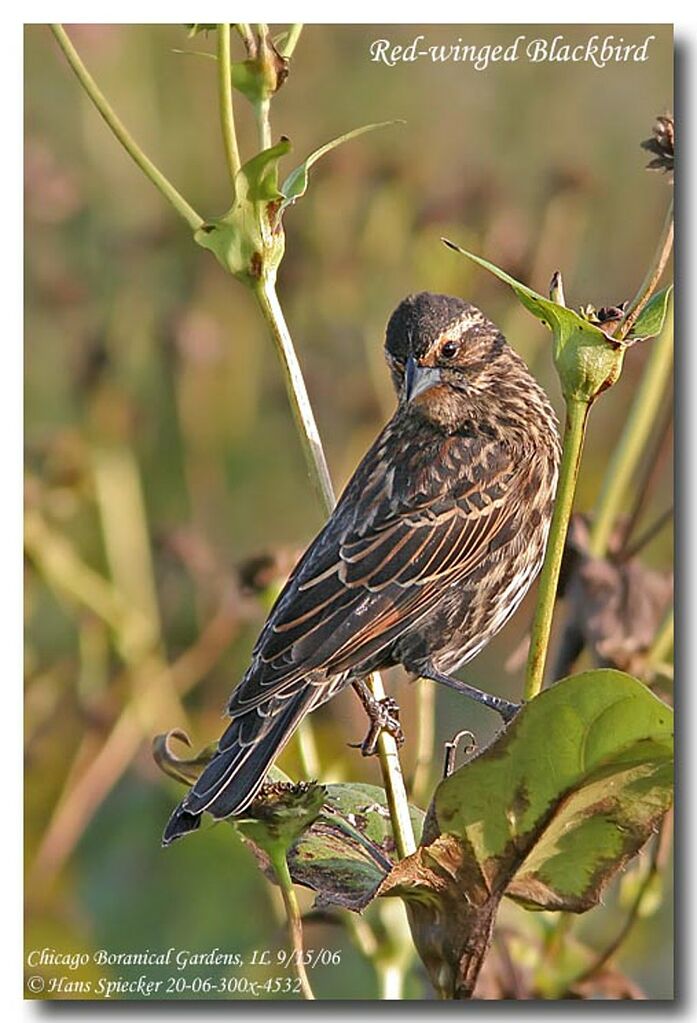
(400, 536)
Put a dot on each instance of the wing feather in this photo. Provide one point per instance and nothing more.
(385, 558)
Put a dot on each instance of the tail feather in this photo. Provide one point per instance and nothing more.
(236, 773)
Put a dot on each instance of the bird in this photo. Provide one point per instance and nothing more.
(431, 547)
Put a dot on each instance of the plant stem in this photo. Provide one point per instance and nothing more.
(292, 40)
(247, 37)
(130, 145)
(227, 116)
(307, 750)
(574, 431)
(393, 780)
(637, 430)
(261, 109)
(664, 638)
(425, 724)
(319, 474)
(268, 301)
(318, 471)
(653, 276)
(295, 925)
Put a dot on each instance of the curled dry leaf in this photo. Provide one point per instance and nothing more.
(614, 607)
(338, 838)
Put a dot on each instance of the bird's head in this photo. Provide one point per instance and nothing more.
(444, 356)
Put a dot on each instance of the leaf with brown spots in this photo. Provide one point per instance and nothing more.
(546, 815)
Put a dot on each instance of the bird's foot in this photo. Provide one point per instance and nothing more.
(384, 717)
(504, 708)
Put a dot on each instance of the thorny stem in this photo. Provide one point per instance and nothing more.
(295, 926)
(227, 116)
(637, 430)
(653, 276)
(576, 416)
(130, 145)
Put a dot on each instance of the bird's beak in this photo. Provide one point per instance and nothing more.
(418, 379)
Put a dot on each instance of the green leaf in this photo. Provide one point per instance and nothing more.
(248, 241)
(195, 30)
(195, 53)
(652, 317)
(588, 361)
(295, 184)
(572, 789)
(280, 814)
(349, 850)
(257, 180)
(337, 839)
(547, 815)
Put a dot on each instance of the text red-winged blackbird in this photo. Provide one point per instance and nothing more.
(430, 549)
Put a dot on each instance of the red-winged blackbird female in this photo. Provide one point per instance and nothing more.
(430, 549)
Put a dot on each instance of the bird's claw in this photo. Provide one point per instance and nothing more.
(384, 717)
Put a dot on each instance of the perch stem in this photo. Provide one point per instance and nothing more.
(291, 41)
(637, 431)
(158, 179)
(295, 926)
(319, 474)
(653, 276)
(227, 114)
(574, 431)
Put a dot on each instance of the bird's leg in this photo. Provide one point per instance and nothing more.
(505, 708)
(383, 714)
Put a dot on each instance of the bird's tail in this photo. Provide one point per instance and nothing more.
(237, 771)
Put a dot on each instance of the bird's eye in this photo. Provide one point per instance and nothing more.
(450, 349)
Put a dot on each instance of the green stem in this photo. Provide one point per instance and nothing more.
(307, 750)
(295, 925)
(247, 37)
(388, 754)
(291, 41)
(318, 471)
(130, 145)
(261, 109)
(227, 116)
(653, 276)
(425, 736)
(664, 638)
(576, 415)
(637, 430)
(393, 780)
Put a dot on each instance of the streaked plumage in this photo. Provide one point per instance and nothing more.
(430, 549)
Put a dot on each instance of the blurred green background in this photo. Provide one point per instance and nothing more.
(161, 454)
